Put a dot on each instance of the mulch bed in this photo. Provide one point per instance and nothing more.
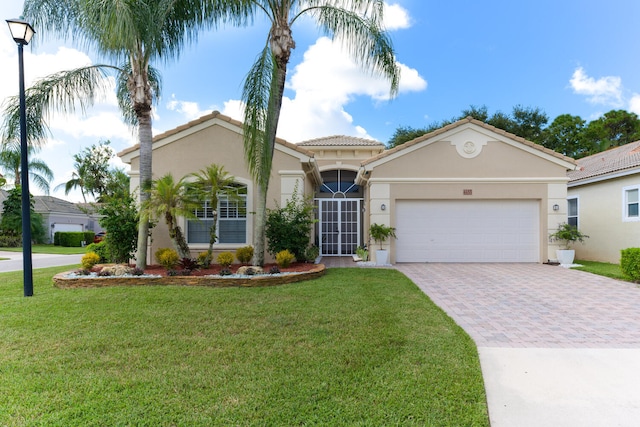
(297, 267)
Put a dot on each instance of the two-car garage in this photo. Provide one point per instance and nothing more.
(468, 231)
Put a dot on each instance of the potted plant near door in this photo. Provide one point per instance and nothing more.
(380, 233)
(567, 235)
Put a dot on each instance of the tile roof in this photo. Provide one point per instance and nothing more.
(207, 117)
(475, 122)
(613, 160)
(341, 140)
(48, 204)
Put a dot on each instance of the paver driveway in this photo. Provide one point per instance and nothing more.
(533, 305)
(557, 347)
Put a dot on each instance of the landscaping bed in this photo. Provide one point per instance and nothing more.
(157, 275)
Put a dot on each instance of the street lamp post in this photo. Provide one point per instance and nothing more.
(22, 31)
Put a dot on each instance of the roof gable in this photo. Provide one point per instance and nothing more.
(212, 119)
(465, 124)
(608, 164)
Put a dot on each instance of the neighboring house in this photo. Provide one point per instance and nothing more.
(465, 193)
(603, 199)
(61, 215)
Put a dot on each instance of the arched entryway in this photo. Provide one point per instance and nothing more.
(339, 202)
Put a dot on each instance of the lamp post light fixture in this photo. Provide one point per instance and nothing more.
(22, 31)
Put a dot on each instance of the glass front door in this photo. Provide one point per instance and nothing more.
(339, 226)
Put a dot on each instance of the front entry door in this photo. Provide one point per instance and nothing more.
(339, 226)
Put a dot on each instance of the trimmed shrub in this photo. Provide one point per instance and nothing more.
(204, 259)
(244, 254)
(72, 239)
(225, 259)
(630, 263)
(167, 257)
(289, 227)
(284, 258)
(101, 249)
(10, 241)
(89, 260)
(312, 253)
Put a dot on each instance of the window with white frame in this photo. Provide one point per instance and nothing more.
(572, 211)
(232, 219)
(631, 211)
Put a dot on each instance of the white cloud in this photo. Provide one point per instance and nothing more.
(189, 110)
(605, 90)
(396, 17)
(634, 104)
(99, 125)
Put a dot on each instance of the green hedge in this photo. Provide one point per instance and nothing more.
(630, 263)
(73, 239)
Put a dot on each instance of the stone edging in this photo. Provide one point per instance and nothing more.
(60, 281)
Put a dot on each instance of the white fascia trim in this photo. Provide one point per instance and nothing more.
(182, 134)
(606, 177)
(462, 180)
(293, 153)
(494, 137)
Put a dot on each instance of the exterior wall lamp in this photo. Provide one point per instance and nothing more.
(556, 207)
(383, 207)
(22, 31)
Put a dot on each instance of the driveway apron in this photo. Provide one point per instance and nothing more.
(557, 347)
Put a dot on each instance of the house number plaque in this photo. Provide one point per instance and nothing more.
(467, 192)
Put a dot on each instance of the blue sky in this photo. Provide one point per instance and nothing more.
(565, 56)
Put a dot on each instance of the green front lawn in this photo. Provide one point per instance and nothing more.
(355, 347)
(49, 249)
(601, 268)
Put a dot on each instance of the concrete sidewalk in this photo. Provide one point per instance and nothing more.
(14, 261)
(557, 347)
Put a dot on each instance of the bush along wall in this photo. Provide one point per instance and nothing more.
(72, 239)
(630, 263)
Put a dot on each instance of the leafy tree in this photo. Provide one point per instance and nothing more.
(120, 220)
(566, 135)
(210, 183)
(357, 24)
(11, 163)
(132, 34)
(170, 200)
(11, 222)
(613, 129)
(94, 176)
(289, 228)
(403, 134)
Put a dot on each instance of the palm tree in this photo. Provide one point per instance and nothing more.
(212, 182)
(170, 200)
(357, 24)
(39, 171)
(132, 33)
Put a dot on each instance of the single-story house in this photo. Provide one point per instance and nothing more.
(62, 215)
(603, 199)
(467, 192)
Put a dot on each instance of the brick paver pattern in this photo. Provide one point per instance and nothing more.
(533, 305)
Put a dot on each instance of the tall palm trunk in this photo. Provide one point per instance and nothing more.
(281, 42)
(145, 137)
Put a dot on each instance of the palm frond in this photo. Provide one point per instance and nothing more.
(256, 96)
(63, 92)
(362, 35)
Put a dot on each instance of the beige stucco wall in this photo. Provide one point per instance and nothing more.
(220, 143)
(600, 216)
(437, 170)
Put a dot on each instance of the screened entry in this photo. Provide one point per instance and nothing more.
(339, 213)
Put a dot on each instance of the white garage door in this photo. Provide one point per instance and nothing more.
(67, 227)
(468, 231)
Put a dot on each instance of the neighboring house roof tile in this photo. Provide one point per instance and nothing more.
(341, 140)
(48, 204)
(463, 122)
(611, 161)
(205, 118)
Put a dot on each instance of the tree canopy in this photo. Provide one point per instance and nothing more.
(567, 134)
